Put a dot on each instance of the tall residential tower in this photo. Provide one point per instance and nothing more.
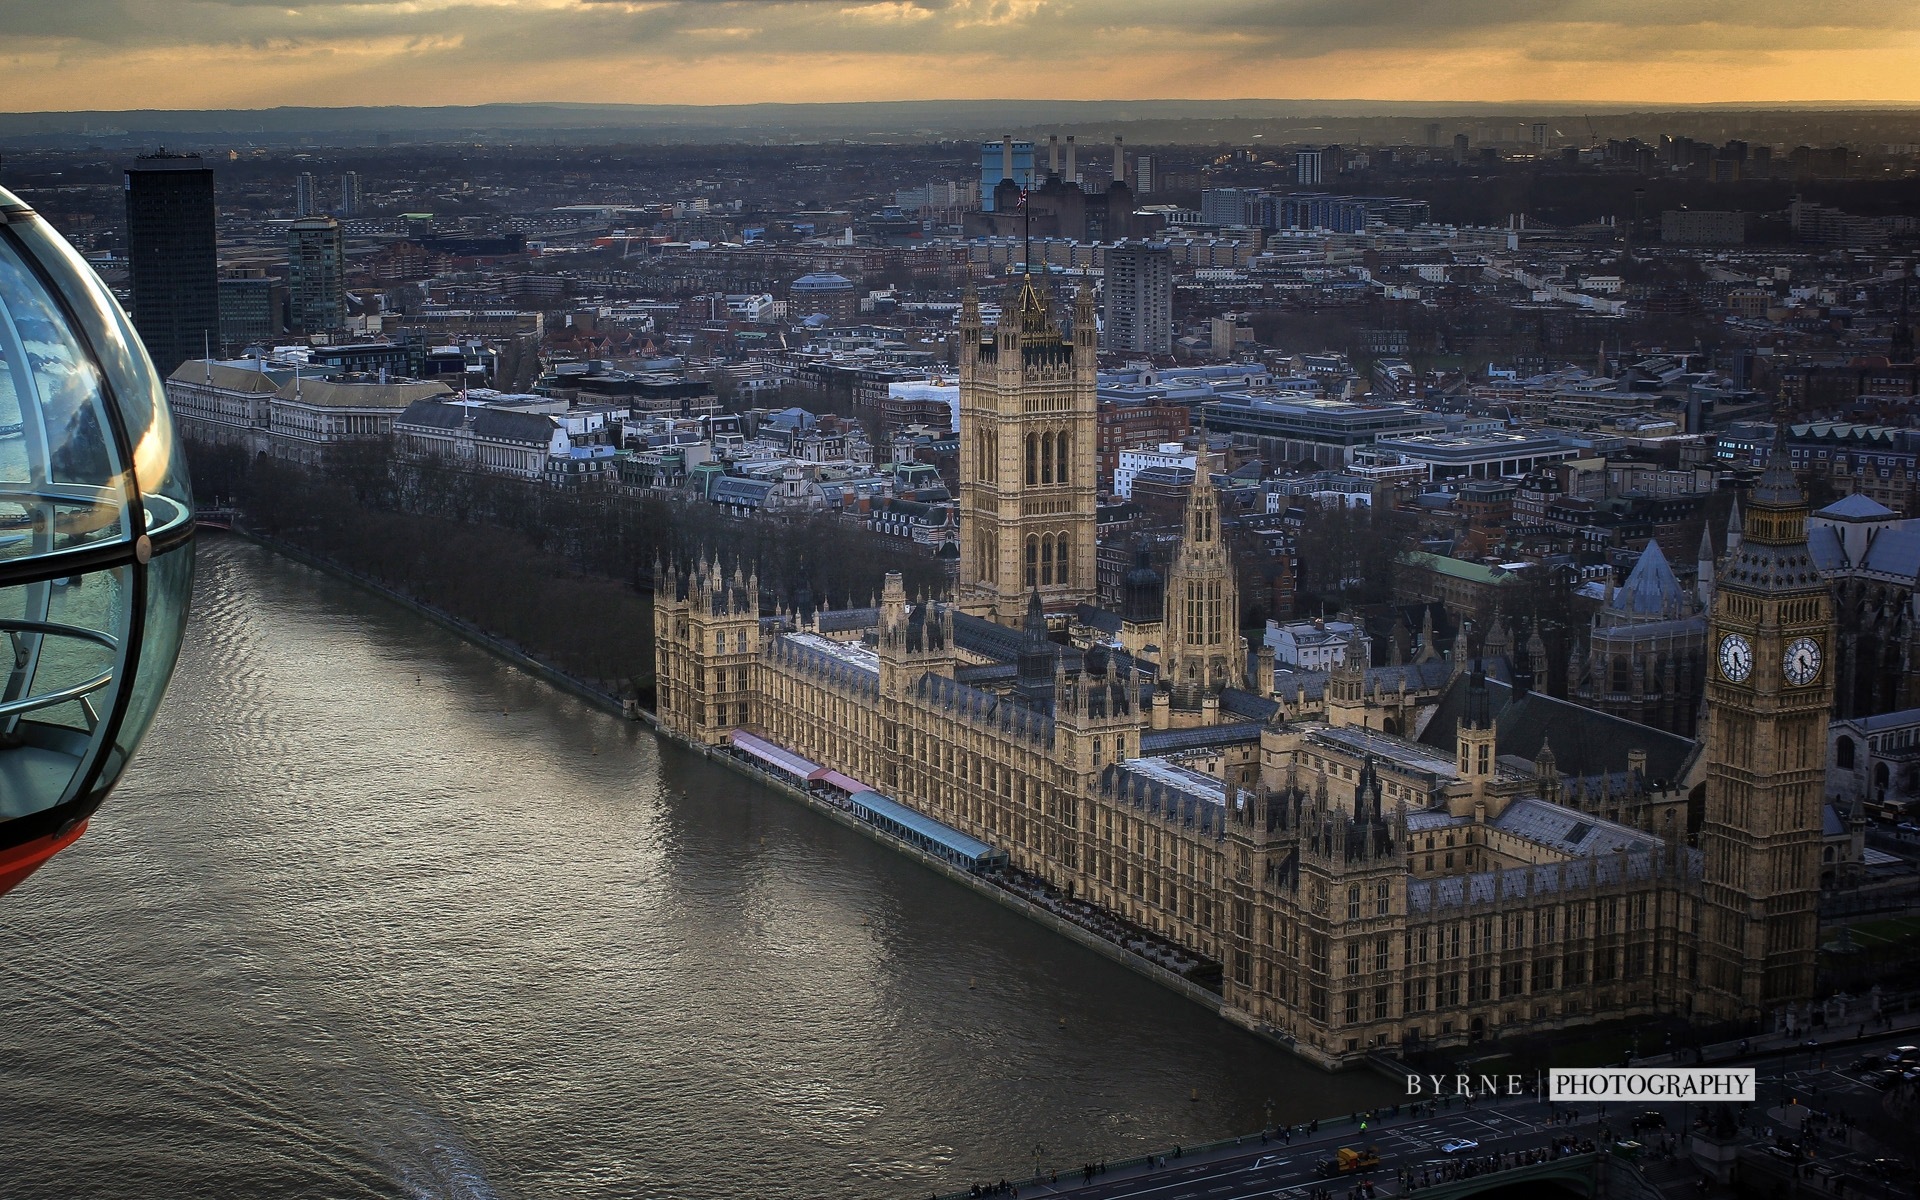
(316, 275)
(1139, 298)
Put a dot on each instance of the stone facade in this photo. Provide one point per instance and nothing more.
(1028, 474)
(1358, 889)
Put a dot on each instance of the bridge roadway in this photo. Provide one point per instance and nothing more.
(1283, 1169)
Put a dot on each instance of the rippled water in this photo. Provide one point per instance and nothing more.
(374, 914)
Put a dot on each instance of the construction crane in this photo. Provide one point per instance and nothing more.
(1593, 139)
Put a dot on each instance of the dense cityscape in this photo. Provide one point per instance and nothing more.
(1438, 591)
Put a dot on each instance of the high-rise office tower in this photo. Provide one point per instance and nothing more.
(306, 200)
(1139, 299)
(316, 276)
(1143, 174)
(1307, 166)
(173, 256)
(350, 194)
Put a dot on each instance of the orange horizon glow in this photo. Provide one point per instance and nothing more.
(196, 54)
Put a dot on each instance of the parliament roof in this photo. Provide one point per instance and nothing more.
(1586, 741)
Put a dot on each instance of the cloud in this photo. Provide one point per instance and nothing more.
(168, 53)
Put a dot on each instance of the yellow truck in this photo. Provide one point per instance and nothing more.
(1348, 1161)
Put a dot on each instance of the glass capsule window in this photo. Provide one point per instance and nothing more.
(96, 527)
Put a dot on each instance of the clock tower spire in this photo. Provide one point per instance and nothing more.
(1769, 690)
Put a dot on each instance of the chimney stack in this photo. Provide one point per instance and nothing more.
(1006, 156)
(1072, 175)
(1119, 161)
(1053, 154)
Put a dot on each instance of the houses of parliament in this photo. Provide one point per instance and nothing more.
(1425, 853)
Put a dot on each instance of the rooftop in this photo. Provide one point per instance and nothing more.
(1569, 830)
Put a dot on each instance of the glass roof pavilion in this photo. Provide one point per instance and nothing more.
(96, 542)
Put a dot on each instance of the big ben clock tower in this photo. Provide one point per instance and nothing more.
(1769, 690)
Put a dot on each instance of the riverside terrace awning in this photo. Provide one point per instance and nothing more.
(845, 783)
(925, 833)
(777, 757)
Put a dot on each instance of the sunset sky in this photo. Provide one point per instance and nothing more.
(112, 54)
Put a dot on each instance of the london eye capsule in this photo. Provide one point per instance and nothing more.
(96, 542)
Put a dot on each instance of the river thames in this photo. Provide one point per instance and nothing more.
(375, 914)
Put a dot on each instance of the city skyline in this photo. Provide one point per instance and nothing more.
(106, 54)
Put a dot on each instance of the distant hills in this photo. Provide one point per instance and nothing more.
(1163, 121)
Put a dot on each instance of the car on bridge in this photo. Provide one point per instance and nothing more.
(1902, 1056)
(1458, 1145)
(1648, 1120)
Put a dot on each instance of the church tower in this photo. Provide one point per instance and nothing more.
(1201, 647)
(1769, 689)
(1028, 483)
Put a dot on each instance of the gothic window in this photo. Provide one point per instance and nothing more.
(1353, 902)
(1061, 542)
(1060, 449)
(1033, 561)
(1046, 558)
(1033, 459)
(1843, 754)
(1046, 458)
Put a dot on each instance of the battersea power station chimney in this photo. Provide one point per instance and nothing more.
(1006, 156)
(1119, 161)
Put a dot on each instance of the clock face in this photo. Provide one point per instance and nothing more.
(1801, 663)
(1736, 658)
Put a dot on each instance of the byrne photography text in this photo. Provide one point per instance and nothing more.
(1651, 1083)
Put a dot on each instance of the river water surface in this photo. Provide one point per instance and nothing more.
(375, 914)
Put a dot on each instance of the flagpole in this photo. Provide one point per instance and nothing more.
(1026, 253)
